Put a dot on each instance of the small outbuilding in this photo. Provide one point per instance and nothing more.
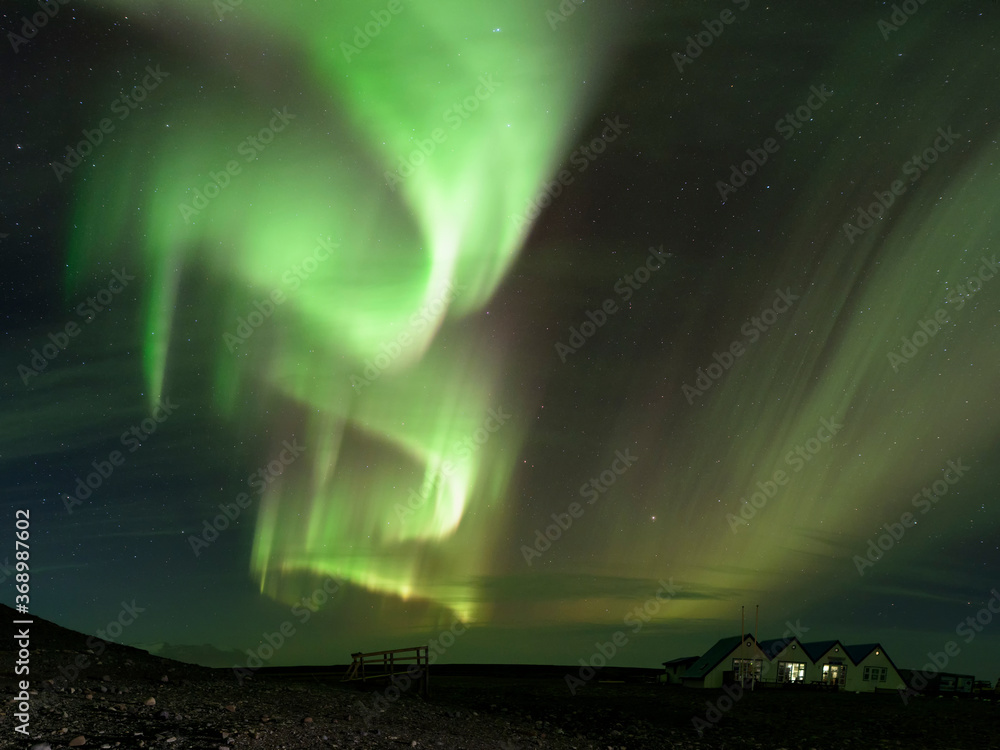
(939, 683)
(674, 669)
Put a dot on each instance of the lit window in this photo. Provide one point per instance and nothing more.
(791, 671)
(835, 673)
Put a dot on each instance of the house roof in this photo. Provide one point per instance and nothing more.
(860, 651)
(714, 656)
(775, 646)
(816, 649)
(681, 661)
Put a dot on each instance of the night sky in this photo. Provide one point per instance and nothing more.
(554, 323)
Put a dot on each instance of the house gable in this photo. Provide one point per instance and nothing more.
(708, 670)
(873, 669)
(785, 650)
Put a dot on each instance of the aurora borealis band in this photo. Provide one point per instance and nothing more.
(506, 315)
(355, 340)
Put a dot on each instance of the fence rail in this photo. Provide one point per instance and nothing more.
(382, 665)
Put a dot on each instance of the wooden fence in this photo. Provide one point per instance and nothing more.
(383, 665)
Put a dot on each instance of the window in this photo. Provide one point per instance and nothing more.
(746, 669)
(835, 674)
(875, 674)
(791, 671)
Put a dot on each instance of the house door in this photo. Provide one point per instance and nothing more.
(835, 674)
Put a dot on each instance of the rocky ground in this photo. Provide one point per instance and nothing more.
(210, 710)
(124, 698)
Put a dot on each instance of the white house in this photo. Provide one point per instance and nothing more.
(728, 660)
(857, 668)
(873, 669)
(830, 662)
(789, 661)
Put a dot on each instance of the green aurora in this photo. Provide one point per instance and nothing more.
(370, 270)
(381, 306)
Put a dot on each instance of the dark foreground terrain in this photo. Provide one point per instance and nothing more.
(214, 712)
(126, 698)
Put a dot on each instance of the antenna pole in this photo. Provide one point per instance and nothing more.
(743, 662)
(756, 630)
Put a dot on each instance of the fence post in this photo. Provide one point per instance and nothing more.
(426, 670)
